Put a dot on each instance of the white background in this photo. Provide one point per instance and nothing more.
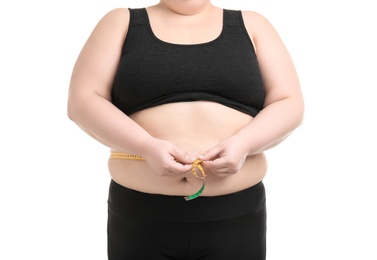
(321, 188)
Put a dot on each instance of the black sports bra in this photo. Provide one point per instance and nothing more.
(152, 72)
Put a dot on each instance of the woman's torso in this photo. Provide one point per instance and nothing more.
(194, 126)
(180, 124)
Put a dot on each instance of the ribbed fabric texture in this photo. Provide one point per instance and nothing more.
(152, 72)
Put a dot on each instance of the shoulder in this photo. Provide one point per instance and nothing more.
(256, 21)
(116, 16)
(113, 25)
(259, 27)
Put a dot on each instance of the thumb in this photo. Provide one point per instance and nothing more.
(182, 157)
(210, 155)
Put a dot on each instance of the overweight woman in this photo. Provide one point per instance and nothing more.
(187, 96)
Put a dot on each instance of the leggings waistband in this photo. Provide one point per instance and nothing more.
(174, 209)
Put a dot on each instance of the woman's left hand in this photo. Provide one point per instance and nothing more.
(226, 158)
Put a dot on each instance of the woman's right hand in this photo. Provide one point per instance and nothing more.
(167, 159)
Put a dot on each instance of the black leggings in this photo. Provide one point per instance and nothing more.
(160, 227)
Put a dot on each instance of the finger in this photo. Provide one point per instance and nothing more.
(215, 165)
(181, 157)
(179, 164)
(210, 155)
(179, 168)
(220, 166)
(218, 171)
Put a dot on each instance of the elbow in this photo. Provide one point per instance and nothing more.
(300, 111)
(70, 116)
(296, 111)
(71, 110)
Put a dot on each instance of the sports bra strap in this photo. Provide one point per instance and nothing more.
(232, 18)
(137, 16)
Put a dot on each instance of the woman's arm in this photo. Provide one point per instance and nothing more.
(284, 105)
(89, 99)
(283, 108)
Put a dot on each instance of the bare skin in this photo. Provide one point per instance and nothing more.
(181, 126)
(171, 136)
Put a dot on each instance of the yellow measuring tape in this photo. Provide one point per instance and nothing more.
(195, 164)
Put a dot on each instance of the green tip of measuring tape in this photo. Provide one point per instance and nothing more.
(195, 195)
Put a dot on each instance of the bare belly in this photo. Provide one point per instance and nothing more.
(194, 127)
